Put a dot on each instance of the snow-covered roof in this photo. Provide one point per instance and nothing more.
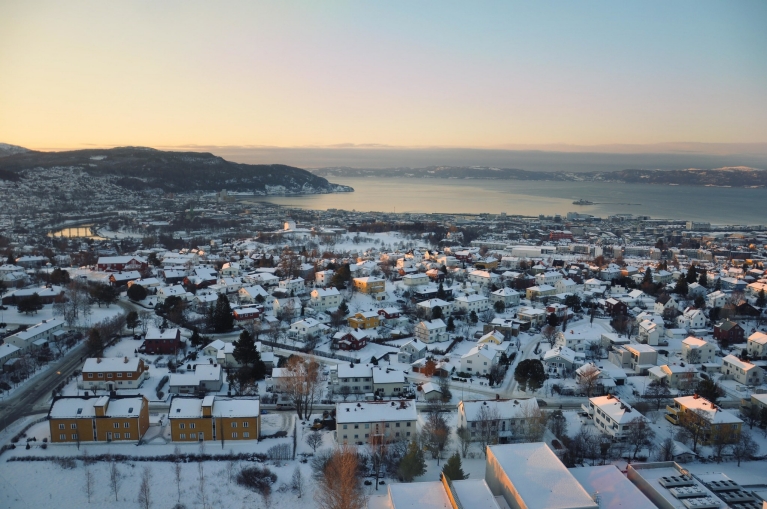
(418, 495)
(78, 408)
(226, 407)
(758, 337)
(105, 364)
(617, 410)
(734, 361)
(540, 478)
(388, 376)
(704, 407)
(507, 408)
(694, 342)
(376, 411)
(40, 328)
(354, 370)
(615, 490)
(155, 333)
(433, 324)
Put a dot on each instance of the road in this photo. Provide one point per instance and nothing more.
(33, 397)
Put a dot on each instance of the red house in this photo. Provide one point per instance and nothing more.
(246, 314)
(161, 341)
(121, 263)
(729, 332)
(353, 340)
(615, 307)
(389, 313)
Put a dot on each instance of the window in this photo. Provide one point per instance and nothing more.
(126, 425)
(408, 424)
(109, 375)
(117, 435)
(367, 426)
(387, 424)
(234, 435)
(234, 424)
(245, 424)
(356, 426)
(119, 375)
(396, 434)
(61, 426)
(127, 435)
(345, 426)
(101, 375)
(396, 425)
(116, 425)
(74, 436)
(192, 425)
(367, 435)
(344, 436)
(90, 375)
(356, 436)
(182, 436)
(62, 437)
(181, 426)
(192, 435)
(407, 434)
(246, 435)
(73, 426)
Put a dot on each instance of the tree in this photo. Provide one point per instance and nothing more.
(549, 333)
(136, 292)
(700, 302)
(534, 423)
(222, 319)
(640, 434)
(412, 463)
(450, 324)
(453, 469)
(131, 321)
(441, 291)
(647, 276)
(473, 318)
(703, 279)
(552, 320)
(90, 481)
(588, 379)
(761, 300)
(145, 489)
(573, 302)
(115, 477)
(95, 343)
(745, 447)
(694, 424)
(499, 306)
(464, 439)
(751, 415)
(302, 385)
(338, 484)
(657, 391)
(710, 390)
(487, 425)
(247, 355)
(435, 434)
(436, 312)
(196, 340)
(314, 440)
(666, 449)
(530, 374)
(692, 274)
(557, 424)
(177, 466)
(103, 293)
(681, 286)
(30, 304)
(297, 482)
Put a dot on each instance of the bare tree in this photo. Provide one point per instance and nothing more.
(146, 320)
(464, 440)
(314, 440)
(487, 426)
(230, 467)
(640, 435)
(201, 495)
(302, 384)
(588, 379)
(436, 434)
(177, 471)
(694, 424)
(89, 482)
(145, 489)
(339, 485)
(666, 449)
(115, 477)
(297, 482)
(549, 333)
(745, 447)
(534, 423)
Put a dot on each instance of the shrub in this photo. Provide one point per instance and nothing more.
(279, 452)
(66, 462)
(258, 479)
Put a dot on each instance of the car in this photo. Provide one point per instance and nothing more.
(264, 412)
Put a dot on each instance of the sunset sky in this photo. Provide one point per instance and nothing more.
(75, 74)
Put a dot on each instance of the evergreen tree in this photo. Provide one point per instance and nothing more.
(441, 291)
(647, 276)
(136, 293)
(681, 286)
(453, 469)
(196, 339)
(710, 390)
(552, 320)
(95, 343)
(529, 374)
(31, 304)
(412, 463)
(436, 312)
(11, 260)
(450, 324)
(341, 277)
(692, 274)
(222, 315)
(761, 300)
(246, 353)
(131, 321)
(703, 279)
(473, 318)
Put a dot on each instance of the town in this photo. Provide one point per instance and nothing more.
(450, 359)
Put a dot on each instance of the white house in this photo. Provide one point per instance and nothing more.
(648, 333)
(306, 327)
(387, 421)
(510, 416)
(561, 360)
(427, 306)
(548, 278)
(469, 303)
(479, 360)
(163, 292)
(412, 351)
(323, 277)
(37, 335)
(611, 415)
(483, 278)
(431, 331)
(716, 299)
(757, 345)
(741, 371)
(567, 286)
(663, 303)
(294, 285)
(508, 296)
(417, 279)
(249, 294)
(323, 299)
(692, 318)
(697, 351)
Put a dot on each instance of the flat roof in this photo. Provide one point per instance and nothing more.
(419, 495)
(613, 488)
(539, 477)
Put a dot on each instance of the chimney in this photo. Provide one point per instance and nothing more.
(125, 360)
(98, 360)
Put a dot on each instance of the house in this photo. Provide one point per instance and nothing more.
(252, 294)
(8, 352)
(352, 340)
(691, 318)
(567, 285)
(289, 307)
(280, 379)
(648, 333)
(483, 278)
(579, 338)
(531, 476)
(206, 377)
(161, 341)
(305, 328)
(506, 295)
(388, 382)
(469, 303)
(712, 420)
(163, 292)
(417, 279)
(611, 415)
(480, 360)
(123, 278)
(664, 303)
(697, 351)
(246, 314)
(323, 277)
(37, 335)
(561, 361)
(493, 337)
(375, 421)
(373, 286)
(508, 416)
(412, 351)
(741, 371)
(431, 392)
(364, 320)
(293, 286)
(390, 313)
(674, 376)
(121, 263)
(716, 299)
(431, 331)
(550, 278)
(614, 307)
(112, 373)
(354, 378)
(729, 332)
(76, 419)
(637, 357)
(757, 345)
(539, 292)
(535, 317)
(756, 400)
(214, 418)
(322, 299)
(427, 307)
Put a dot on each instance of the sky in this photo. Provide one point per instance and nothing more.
(491, 74)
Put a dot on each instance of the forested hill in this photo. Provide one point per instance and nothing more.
(147, 168)
(734, 176)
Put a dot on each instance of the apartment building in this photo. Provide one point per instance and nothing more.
(214, 418)
(75, 419)
(375, 421)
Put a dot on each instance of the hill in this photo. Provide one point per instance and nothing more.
(147, 168)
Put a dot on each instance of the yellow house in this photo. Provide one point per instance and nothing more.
(700, 413)
(214, 418)
(365, 320)
(370, 285)
(98, 419)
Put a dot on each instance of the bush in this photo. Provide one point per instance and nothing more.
(66, 463)
(44, 446)
(258, 479)
(279, 452)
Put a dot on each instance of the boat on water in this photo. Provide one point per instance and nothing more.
(583, 202)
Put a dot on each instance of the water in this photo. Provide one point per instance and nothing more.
(712, 204)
